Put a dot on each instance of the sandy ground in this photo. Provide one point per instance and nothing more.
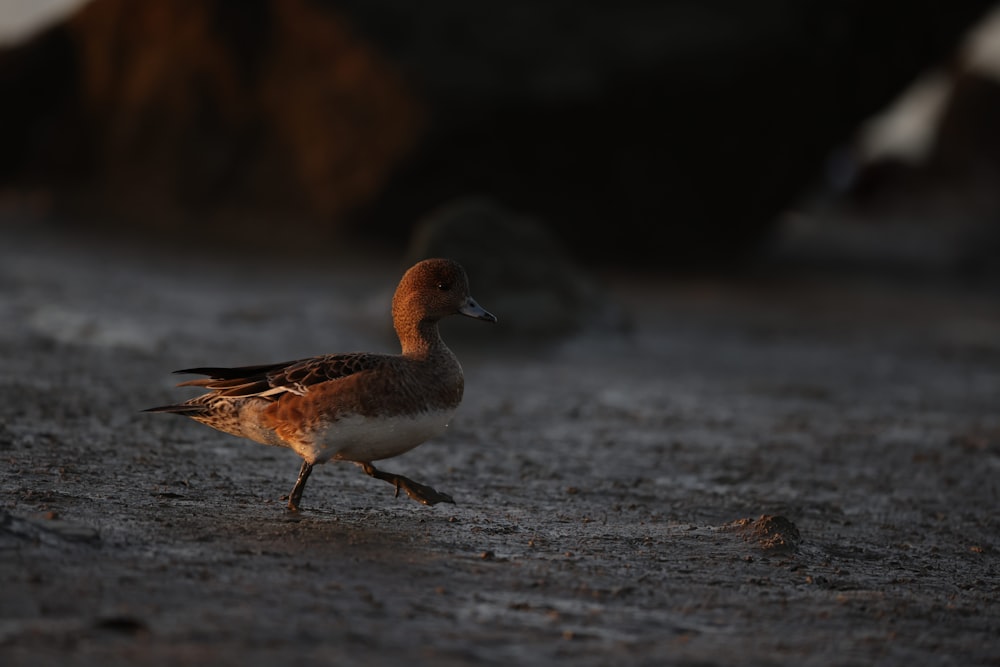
(602, 484)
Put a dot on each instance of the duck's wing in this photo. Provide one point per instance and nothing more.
(270, 381)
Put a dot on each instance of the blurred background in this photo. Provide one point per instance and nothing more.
(663, 135)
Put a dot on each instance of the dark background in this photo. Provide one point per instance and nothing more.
(669, 134)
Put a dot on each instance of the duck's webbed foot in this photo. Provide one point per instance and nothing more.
(419, 492)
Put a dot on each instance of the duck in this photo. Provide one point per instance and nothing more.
(358, 407)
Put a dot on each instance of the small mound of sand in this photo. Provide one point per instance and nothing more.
(771, 533)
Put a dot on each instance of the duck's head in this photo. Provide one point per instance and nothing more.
(433, 289)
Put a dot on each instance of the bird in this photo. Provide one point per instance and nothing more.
(359, 407)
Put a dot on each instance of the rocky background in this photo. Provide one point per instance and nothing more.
(669, 133)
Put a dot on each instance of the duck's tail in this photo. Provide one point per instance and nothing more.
(184, 409)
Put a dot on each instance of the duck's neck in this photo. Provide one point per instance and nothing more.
(420, 339)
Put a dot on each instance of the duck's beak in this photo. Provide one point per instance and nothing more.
(472, 309)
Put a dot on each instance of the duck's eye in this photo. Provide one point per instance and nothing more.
(444, 287)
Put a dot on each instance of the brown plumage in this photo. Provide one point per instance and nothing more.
(356, 407)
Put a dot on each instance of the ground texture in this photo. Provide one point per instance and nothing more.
(777, 470)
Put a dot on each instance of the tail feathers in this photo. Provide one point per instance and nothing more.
(224, 383)
(234, 382)
(235, 387)
(240, 372)
(185, 410)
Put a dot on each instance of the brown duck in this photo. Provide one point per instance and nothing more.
(358, 407)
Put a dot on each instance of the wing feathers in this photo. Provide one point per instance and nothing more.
(272, 380)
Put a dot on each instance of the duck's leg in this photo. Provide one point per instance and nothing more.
(296, 495)
(419, 492)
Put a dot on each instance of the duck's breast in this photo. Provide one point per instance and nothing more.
(370, 438)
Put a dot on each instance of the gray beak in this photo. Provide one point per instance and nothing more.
(472, 309)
